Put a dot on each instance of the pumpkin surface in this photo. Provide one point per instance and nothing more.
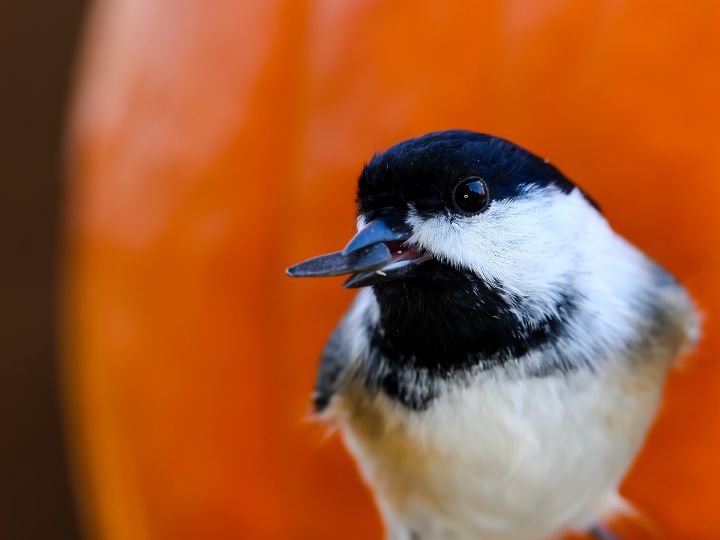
(213, 143)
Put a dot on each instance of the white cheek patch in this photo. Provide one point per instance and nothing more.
(529, 247)
(514, 241)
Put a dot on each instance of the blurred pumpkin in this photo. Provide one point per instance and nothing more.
(214, 142)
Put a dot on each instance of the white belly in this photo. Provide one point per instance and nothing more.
(502, 459)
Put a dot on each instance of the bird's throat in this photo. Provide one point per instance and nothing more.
(442, 319)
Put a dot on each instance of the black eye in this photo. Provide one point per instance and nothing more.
(471, 195)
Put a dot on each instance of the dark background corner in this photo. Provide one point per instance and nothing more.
(38, 42)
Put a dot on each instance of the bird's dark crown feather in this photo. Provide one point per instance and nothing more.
(424, 170)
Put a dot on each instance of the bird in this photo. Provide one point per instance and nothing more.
(506, 353)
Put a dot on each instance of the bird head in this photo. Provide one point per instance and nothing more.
(462, 207)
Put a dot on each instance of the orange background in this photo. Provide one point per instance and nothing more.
(215, 142)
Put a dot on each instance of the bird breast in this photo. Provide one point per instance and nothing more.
(502, 458)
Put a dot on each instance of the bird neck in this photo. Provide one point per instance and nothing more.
(443, 319)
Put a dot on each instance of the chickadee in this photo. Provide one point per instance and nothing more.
(500, 368)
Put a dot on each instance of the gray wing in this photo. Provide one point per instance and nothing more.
(675, 321)
(342, 351)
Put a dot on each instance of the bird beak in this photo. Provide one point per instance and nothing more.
(377, 253)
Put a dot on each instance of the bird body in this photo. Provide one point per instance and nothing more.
(497, 376)
(502, 456)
